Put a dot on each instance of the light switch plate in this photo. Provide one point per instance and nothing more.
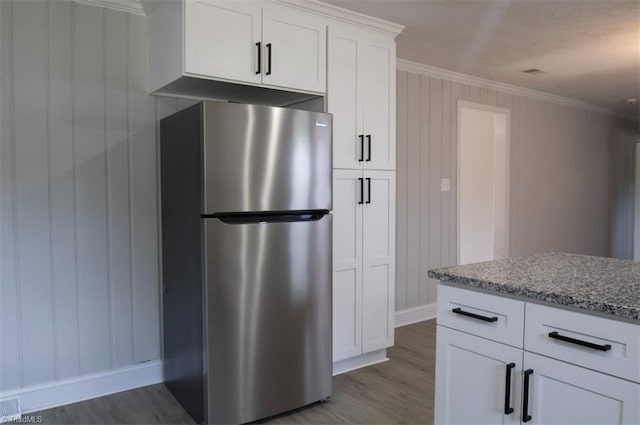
(445, 185)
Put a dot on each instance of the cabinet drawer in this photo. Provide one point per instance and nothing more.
(605, 345)
(489, 316)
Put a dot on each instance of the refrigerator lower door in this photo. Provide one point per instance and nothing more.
(268, 317)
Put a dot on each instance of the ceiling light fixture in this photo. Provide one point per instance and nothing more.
(534, 71)
(632, 101)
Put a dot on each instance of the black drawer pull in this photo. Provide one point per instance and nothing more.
(369, 147)
(361, 137)
(368, 190)
(268, 59)
(259, 47)
(474, 316)
(361, 180)
(507, 390)
(526, 417)
(556, 335)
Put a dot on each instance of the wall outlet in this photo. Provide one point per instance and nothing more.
(445, 185)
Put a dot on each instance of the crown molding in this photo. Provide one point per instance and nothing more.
(120, 5)
(144, 7)
(432, 71)
(337, 13)
(148, 5)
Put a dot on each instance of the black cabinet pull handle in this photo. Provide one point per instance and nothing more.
(361, 180)
(368, 190)
(507, 390)
(259, 47)
(458, 310)
(361, 137)
(526, 417)
(556, 335)
(368, 147)
(268, 59)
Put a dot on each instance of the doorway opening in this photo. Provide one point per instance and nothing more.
(483, 182)
(636, 244)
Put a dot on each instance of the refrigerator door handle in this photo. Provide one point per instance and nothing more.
(270, 217)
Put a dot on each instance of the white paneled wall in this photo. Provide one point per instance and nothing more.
(79, 273)
(563, 176)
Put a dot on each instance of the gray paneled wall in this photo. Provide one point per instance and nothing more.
(79, 206)
(561, 162)
(624, 175)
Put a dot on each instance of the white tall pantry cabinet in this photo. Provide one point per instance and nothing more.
(361, 97)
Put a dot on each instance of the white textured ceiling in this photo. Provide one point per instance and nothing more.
(589, 48)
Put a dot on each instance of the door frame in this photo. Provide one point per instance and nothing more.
(496, 110)
(636, 243)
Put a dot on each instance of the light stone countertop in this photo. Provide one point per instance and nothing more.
(605, 286)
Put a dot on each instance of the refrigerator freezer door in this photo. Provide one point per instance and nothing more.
(268, 317)
(261, 158)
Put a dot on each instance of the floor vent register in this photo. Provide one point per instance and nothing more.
(10, 410)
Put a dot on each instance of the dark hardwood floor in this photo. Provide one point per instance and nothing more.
(399, 391)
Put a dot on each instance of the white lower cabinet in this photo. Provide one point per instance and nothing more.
(560, 393)
(477, 380)
(363, 261)
(473, 373)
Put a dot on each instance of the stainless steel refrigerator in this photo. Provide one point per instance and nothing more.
(246, 247)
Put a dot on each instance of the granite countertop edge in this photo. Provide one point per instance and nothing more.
(618, 312)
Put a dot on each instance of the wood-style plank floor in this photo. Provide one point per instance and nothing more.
(399, 391)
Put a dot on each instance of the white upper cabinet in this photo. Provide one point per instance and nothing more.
(219, 39)
(295, 50)
(361, 95)
(254, 43)
(378, 88)
(343, 100)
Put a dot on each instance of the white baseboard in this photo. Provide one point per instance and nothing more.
(353, 363)
(415, 315)
(85, 387)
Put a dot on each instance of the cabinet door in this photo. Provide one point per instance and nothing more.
(220, 39)
(561, 393)
(347, 264)
(343, 98)
(295, 49)
(378, 239)
(471, 380)
(376, 61)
